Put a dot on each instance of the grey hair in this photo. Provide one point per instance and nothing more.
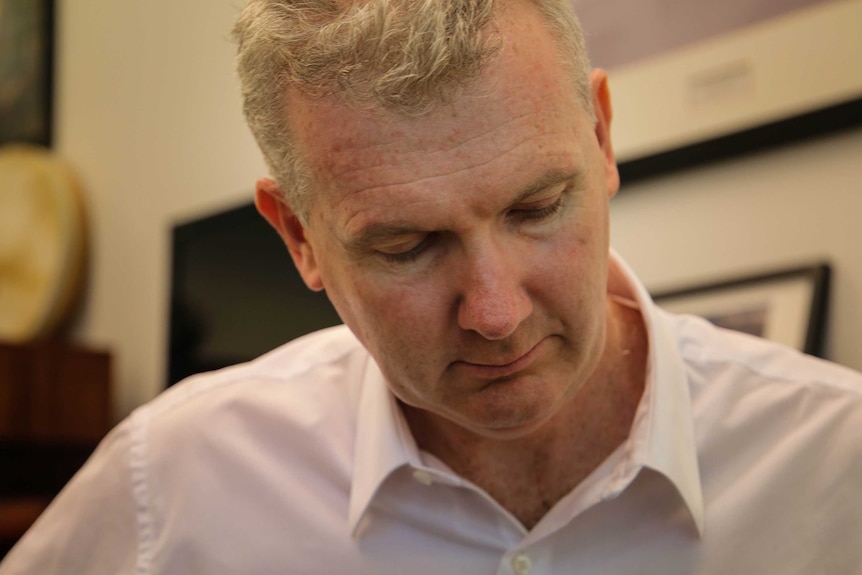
(404, 56)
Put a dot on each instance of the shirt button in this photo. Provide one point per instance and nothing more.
(423, 477)
(521, 564)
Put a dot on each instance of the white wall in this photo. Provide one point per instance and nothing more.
(763, 212)
(148, 113)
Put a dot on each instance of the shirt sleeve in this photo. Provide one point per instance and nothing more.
(93, 526)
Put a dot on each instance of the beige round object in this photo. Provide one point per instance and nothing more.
(42, 242)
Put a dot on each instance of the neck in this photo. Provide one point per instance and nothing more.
(528, 475)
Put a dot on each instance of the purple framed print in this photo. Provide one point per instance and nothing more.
(787, 306)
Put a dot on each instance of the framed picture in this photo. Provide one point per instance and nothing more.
(788, 306)
(696, 80)
(26, 56)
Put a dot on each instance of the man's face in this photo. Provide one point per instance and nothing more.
(467, 249)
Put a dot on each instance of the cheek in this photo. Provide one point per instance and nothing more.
(570, 280)
(405, 333)
(403, 313)
(576, 259)
(385, 315)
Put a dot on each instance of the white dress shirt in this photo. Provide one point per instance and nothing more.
(744, 457)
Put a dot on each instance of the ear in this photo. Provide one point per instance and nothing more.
(274, 209)
(601, 96)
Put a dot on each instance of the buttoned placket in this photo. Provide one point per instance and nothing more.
(515, 562)
(533, 559)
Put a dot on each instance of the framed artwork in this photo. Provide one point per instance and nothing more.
(696, 80)
(26, 60)
(788, 306)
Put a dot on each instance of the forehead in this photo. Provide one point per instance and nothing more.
(521, 120)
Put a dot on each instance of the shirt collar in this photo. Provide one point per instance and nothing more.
(663, 431)
(383, 443)
(662, 435)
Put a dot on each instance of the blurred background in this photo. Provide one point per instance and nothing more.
(146, 111)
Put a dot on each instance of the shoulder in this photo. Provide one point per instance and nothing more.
(778, 448)
(288, 395)
(714, 354)
(301, 369)
(259, 454)
(758, 396)
(284, 423)
(755, 399)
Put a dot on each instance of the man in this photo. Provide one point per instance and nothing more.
(504, 397)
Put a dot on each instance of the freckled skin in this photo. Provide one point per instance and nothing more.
(491, 288)
(494, 292)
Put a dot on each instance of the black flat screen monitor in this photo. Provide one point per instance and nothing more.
(235, 293)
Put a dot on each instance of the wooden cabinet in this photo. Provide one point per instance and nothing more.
(54, 409)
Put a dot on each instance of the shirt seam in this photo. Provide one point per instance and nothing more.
(141, 495)
(826, 384)
(240, 374)
(698, 354)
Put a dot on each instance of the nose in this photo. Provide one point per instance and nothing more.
(493, 301)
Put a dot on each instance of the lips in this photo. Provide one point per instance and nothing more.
(496, 369)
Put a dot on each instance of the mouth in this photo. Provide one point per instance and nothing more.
(496, 370)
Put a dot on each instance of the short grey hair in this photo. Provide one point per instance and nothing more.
(404, 56)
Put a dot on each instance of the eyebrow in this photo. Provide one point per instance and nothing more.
(373, 233)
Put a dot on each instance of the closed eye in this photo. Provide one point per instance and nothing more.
(406, 251)
(544, 210)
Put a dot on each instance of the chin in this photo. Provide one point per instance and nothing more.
(514, 423)
(508, 431)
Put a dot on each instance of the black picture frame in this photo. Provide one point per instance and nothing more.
(761, 83)
(789, 306)
(26, 71)
(830, 120)
(235, 294)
